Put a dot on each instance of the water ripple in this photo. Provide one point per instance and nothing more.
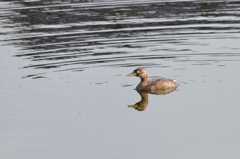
(122, 33)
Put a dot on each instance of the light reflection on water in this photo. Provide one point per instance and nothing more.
(65, 92)
(53, 36)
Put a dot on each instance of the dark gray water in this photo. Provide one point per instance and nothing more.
(65, 94)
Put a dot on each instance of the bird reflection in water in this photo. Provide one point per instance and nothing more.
(143, 103)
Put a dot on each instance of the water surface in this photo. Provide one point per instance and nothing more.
(65, 94)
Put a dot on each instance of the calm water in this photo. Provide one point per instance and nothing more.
(64, 91)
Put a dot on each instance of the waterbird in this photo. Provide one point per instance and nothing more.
(154, 85)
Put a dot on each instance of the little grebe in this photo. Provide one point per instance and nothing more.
(153, 85)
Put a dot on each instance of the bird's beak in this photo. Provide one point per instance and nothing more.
(132, 74)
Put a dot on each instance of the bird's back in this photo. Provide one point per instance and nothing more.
(161, 83)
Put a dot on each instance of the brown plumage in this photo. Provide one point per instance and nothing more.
(154, 85)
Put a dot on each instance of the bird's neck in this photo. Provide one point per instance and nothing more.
(144, 80)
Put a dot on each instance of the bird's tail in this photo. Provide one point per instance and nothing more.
(175, 79)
